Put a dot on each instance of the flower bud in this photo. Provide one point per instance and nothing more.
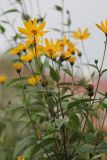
(90, 87)
(96, 61)
(90, 93)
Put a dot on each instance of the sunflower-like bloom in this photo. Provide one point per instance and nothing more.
(21, 158)
(18, 49)
(63, 42)
(18, 66)
(103, 27)
(65, 55)
(71, 49)
(72, 60)
(33, 29)
(33, 80)
(51, 49)
(81, 35)
(3, 79)
(27, 57)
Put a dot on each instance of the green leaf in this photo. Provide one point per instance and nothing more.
(68, 72)
(55, 29)
(93, 74)
(26, 142)
(2, 127)
(40, 20)
(103, 71)
(2, 29)
(17, 36)
(29, 152)
(41, 67)
(59, 122)
(19, 1)
(3, 21)
(98, 156)
(69, 21)
(14, 109)
(78, 102)
(92, 65)
(16, 60)
(2, 155)
(58, 8)
(54, 74)
(86, 148)
(15, 80)
(9, 11)
(102, 147)
(103, 105)
(25, 17)
(74, 122)
(66, 96)
(90, 127)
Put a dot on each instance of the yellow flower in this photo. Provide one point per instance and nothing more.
(27, 57)
(33, 80)
(81, 35)
(3, 79)
(18, 49)
(71, 49)
(54, 56)
(63, 42)
(65, 55)
(30, 41)
(103, 27)
(15, 51)
(33, 29)
(21, 158)
(72, 60)
(51, 49)
(18, 66)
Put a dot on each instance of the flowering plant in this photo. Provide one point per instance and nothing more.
(57, 105)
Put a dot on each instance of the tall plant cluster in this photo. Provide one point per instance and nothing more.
(56, 113)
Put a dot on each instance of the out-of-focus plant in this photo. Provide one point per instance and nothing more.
(61, 118)
(10, 131)
(18, 9)
(54, 108)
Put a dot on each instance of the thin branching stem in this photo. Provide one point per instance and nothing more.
(38, 7)
(23, 12)
(97, 141)
(72, 67)
(62, 19)
(93, 100)
(24, 4)
(86, 57)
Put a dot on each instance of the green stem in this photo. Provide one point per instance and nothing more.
(62, 19)
(63, 129)
(30, 117)
(82, 71)
(93, 99)
(23, 12)
(97, 141)
(38, 7)
(87, 59)
(72, 78)
(24, 4)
